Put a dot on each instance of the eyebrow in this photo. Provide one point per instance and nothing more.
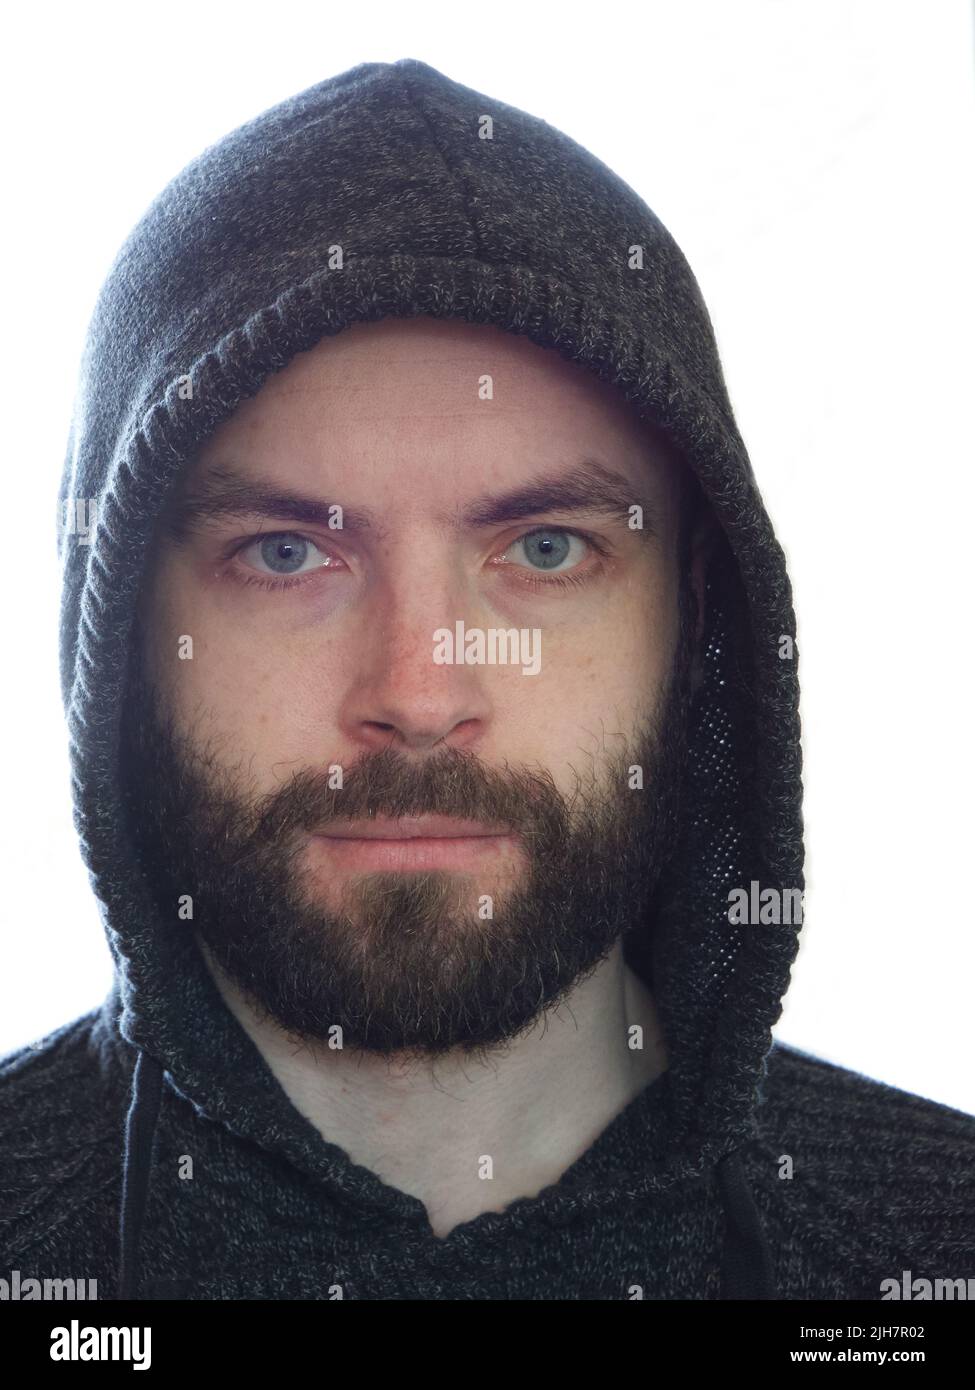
(589, 487)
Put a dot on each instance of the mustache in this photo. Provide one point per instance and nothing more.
(454, 783)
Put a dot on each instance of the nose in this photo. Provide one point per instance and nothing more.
(400, 696)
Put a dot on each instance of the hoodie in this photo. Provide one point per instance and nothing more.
(747, 1169)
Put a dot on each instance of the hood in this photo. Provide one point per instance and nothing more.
(229, 274)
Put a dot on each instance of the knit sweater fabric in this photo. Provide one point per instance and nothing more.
(747, 1169)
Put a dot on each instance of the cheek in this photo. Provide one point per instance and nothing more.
(601, 685)
(650, 645)
(624, 659)
(236, 687)
(276, 709)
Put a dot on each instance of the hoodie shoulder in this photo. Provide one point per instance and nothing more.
(63, 1102)
(800, 1084)
(859, 1182)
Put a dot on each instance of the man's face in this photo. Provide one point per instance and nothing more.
(314, 709)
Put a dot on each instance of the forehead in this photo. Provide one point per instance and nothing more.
(415, 408)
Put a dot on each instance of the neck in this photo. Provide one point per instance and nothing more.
(533, 1107)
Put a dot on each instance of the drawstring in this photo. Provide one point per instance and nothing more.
(746, 1269)
(140, 1129)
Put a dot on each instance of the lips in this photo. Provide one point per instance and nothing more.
(411, 828)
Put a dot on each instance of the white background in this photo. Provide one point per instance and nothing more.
(814, 162)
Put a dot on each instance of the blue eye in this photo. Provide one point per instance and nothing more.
(291, 560)
(285, 553)
(548, 547)
(291, 553)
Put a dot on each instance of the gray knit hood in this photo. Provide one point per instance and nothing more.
(228, 275)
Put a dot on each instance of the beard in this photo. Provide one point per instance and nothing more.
(403, 963)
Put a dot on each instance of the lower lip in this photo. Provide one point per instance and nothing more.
(422, 853)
